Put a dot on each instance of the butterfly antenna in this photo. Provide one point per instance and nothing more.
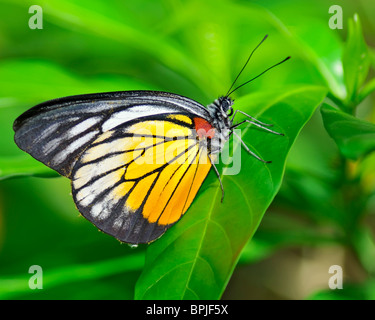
(248, 59)
(287, 58)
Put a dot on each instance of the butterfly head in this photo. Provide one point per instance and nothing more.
(226, 105)
(220, 111)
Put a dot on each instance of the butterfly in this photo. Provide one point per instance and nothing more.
(136, 159)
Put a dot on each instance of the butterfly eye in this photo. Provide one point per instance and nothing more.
(230, 112)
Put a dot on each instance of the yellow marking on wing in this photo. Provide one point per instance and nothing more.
(152, 159)
(118, 145)
(168, 201)
(85, 173)
(162, 153)
(104, 136)
(159, 128)
(104, 148)
(156, 157)
(204, 166)
(162, 190)
(173, 211)
(179, 203)
(139, 193)
(122, 190)
(180, 117)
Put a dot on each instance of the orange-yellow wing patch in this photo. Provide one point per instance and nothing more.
(137, 182)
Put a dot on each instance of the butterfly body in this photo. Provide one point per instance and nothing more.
(221, 122)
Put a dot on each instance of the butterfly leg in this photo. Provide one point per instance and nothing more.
(258, 125)
(248, 150)
(252, 118)
(218, 175)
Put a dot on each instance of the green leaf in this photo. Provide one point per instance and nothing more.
(15, 285)
(41, 80)
(195, 259)
(363, 291)
(356, 60)
(364, 245)
(23, 165)
(279, 230)
(368, 88)
(354, 137)
(86, 16)
(322, 48)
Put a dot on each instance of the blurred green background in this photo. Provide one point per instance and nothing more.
(323, 214)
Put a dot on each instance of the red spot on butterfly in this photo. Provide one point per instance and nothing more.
(204, 128)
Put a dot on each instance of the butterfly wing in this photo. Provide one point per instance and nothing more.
(94, 140)
(137, 181)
